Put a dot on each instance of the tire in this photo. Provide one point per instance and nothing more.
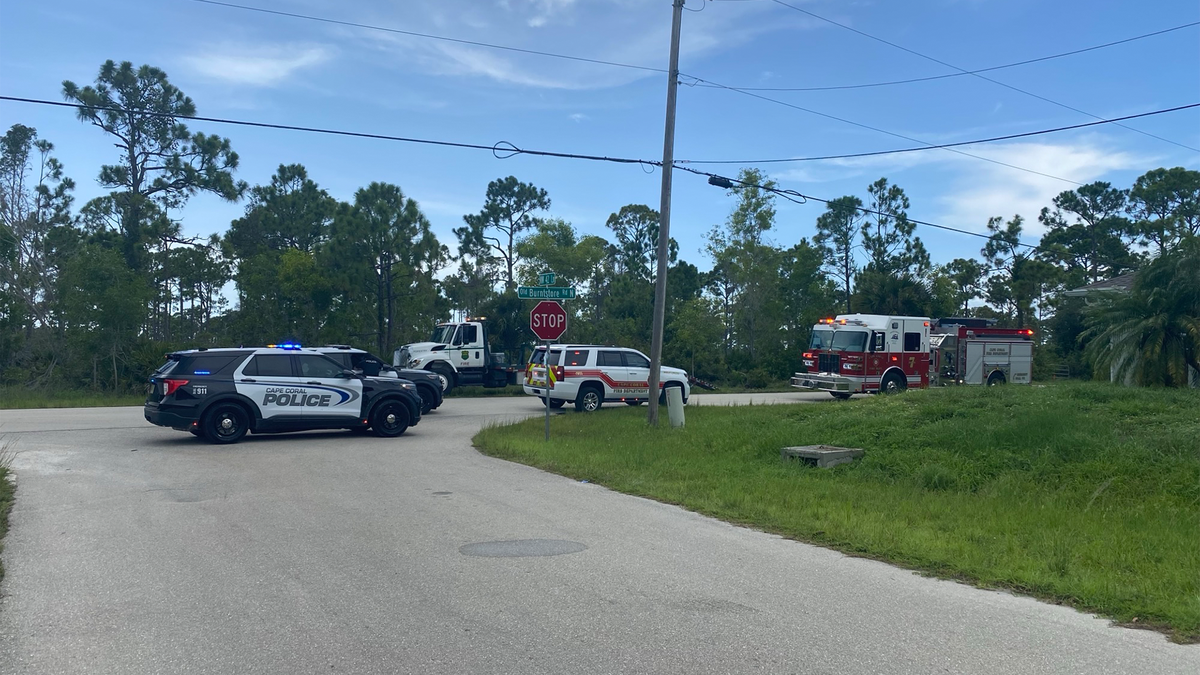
(893, 384)
(590, 399)
(557, 403)
(839, 395)
(633, 403)
(389, 418)
(996, 378)
(446, 375)
(428, 399)
(225, 423)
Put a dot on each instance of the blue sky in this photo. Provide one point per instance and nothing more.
(251, 66)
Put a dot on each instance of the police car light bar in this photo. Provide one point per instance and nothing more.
(286, 345)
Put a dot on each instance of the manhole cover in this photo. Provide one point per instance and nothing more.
(521, 548)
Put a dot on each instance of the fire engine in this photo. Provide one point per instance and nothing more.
(871, 353)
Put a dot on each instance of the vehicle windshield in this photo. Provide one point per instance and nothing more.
(821, 339)
(849, 341)
(443, 334)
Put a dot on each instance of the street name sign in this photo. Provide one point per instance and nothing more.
(546, 279)
(546, 292)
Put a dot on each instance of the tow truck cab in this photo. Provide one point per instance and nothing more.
(459, 353)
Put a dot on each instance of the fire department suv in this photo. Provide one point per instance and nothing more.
(871, 353)
(220, 394)
(590, 376)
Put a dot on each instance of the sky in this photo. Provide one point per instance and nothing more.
(246, 65)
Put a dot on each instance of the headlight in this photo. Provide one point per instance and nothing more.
(414, 363)
(408, 385)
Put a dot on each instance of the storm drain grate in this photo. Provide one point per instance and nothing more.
(521, 548)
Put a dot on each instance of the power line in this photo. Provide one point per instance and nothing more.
(978, 70)
(725, 181)
(501, 150)
(973, 74)
(878, 130)
(443, 38)
(993, 139)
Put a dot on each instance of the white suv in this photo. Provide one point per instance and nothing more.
(590, 375)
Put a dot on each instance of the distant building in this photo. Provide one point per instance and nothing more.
(1121, 284)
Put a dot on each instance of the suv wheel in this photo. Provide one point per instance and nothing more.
(390, 418)
(428, 399)
(590, 399)
(227, 423)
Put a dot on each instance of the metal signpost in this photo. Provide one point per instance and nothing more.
(548, 321)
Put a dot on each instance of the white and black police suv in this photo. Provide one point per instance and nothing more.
(220, 394)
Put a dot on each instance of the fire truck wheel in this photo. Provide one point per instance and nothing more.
(893, 384)
(996, 378)
(841, 396)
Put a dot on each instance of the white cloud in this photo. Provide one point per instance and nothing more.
(995, 190)
(259, 65)
(577, 117)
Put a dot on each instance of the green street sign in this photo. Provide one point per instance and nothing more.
(546, 279)
(545, 293)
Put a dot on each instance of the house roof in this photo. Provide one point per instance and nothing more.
(1121, 284)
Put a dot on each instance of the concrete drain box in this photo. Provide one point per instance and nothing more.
(823, 456)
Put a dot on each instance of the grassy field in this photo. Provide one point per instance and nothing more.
(1083, 494)
(12, 398)
(7, 494)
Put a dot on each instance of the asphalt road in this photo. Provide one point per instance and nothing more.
(135, 549)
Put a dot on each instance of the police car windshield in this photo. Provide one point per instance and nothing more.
(442, 334)
(821, 339)
(849, 341)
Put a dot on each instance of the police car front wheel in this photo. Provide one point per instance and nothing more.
(226, 423)
(389, 419)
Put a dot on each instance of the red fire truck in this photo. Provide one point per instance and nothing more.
(871, 353)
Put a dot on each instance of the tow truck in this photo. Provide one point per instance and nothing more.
(460, 355)
(871, 353)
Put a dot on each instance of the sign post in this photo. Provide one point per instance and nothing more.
(548, 321)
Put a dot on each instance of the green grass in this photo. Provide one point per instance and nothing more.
(19, 397)
(1083, 494)
(7, 495)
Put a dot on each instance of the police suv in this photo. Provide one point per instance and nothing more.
(429, 385)
(220, 394)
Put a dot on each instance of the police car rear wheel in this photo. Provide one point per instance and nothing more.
(225, 424)
(389, 419)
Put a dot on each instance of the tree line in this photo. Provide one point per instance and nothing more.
(92, 296)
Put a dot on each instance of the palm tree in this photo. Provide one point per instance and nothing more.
(1151, 335)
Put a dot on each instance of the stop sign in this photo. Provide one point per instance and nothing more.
(548, 321)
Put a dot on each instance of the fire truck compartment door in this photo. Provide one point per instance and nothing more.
(973, 371)
(1021, 371)
(996, 353)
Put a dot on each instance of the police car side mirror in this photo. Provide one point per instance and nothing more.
(350, 374)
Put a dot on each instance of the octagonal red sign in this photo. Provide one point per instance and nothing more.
(548, 320)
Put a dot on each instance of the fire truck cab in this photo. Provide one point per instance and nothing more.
(865, 353)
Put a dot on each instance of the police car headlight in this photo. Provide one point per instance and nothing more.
(408, 385)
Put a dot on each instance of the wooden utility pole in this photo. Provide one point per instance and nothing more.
(664, 227)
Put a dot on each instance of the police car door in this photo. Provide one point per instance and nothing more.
(328, 392)
(269, 381)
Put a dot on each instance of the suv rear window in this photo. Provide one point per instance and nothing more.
(208, 364)
(611, 359)
(269, 365)
(577, 357)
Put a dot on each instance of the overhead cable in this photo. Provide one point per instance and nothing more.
(473, 43)
(989, 69)
(977, 141)
(968, 72)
